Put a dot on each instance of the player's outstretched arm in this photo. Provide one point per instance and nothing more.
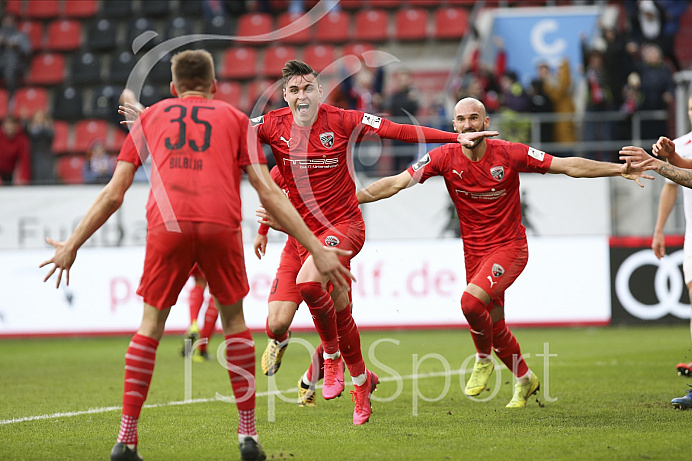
(678, 175)
(666, 202)
(665, 149)
(107, 202)
(385, 187)
(276, 202)
(578, 167)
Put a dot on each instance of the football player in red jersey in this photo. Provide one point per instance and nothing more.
(199, 149)
(311, 145)
(483, 182)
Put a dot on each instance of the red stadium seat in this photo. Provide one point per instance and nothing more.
(44, 9)
(61, 138)
(230, 92)
(33, 30)
(275, 58)
(411, 24)
(384, 4)
(352, 5)
(357, 48)
(46, 69)
(334, 28)
(64, 35)
(239, 63)
(4, 100)
(320, 57)
(451, 23)
(28, 100)
(87, 131)
(14, 7)
(70, 169)
(298, 20)
(80, 8)
(256, 90)
(372, 25)
(115, 141)
(252, 24)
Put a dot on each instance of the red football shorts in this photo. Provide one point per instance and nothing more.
(170, 256)
(496, 270)
(284, 285)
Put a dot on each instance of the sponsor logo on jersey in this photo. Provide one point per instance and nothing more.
(498, 270)
(287, 141)
(492, 195)
(422, 162)
(257, 120)
(313, 162)
(537, 154)
(458, 173)
(497, 172)
(331, 241)
(372, 120)
(327, 139)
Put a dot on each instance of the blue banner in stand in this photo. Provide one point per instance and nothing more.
(533, 35)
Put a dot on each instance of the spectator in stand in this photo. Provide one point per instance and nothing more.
(653, 23)
(658, 89)
(15, 157)
(515, 101)
(541, 102)
(401, 104)
(99, 166)
(481, 81)
(212, 8)
(40, 132)
(599, 98)
(15, 51)
(558, 87)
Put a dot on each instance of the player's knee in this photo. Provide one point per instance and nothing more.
(311, 292)
(470, 305)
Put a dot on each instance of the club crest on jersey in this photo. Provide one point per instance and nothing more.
(257, 120)
(497, 172)
(421, 163)
(331, 241)
(327, 139)
(497, 270)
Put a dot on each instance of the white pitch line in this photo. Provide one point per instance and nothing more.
(93, 411)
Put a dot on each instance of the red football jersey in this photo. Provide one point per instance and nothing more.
(198, 148)
(316, 161)
(485, 193)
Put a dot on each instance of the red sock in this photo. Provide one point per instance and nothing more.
(278, 338)
(210, 317)
(240, 357)
(349, 342)
(480, 323)
(317, 362)
(508, 350)
(139, 368)
(196, 299)
(323, 315)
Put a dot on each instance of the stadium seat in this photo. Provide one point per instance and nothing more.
(121, 66)
(161, 72)
(372, 25)
(298, 20)
(190, 9)
(178, 26)
(61, 138)
(87, 131)
(46, 69)
(86, 69)
(450, 23)
(102, 35)
(377, 4)
(278, 5)
(152, 94)
(80, 8)
(119, 9)
(259, 97)
(320, 57)
(357, 48)
(15, 7)
(334, 28)
(411, 24)
(252, 24)
(230, 92)
(239, 63)
(28, 100)
(353, 5)
(68, 104)
(275, 58)
(155, 8)
(44, 9)
(70, 169)
(33, 30)
(218, 25)
(4, 101)
(115, 140)
(104, 102)
(64, 35)
(136, 27)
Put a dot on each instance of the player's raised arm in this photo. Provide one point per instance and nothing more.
(578, 167)
(385, 187)
(665, 149)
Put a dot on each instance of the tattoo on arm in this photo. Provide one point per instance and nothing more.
(678, 175)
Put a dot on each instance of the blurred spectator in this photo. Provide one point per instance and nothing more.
(99, 166)
(213, 8)
(599, 98)
(15, 51)
(541, 102)
(480, 81)
(15, 158)
(653, 23)
(401, 104)
(363, 91)
(632, 95)
(298, 6)
(40, 131)
(514, 102)
(559, 88)
(657, 89)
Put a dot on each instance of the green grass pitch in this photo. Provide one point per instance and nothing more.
(605, 394)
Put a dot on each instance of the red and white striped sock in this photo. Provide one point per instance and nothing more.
(240, 357)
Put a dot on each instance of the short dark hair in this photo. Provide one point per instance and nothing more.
(295, 68)
(192, 70)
